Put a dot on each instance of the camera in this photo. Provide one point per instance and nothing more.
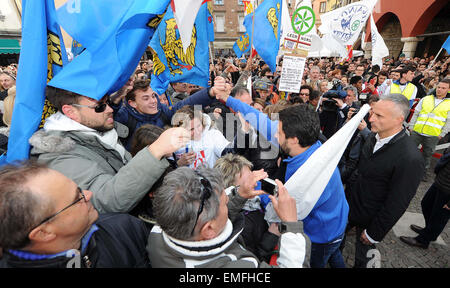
(364, 98)
(355, 112)
(269, 186)
(328, 104)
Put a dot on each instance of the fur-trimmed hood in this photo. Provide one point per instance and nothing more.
(50, 142)
(60, 134)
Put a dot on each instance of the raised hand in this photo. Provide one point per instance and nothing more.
(247, 189)
(169, 141)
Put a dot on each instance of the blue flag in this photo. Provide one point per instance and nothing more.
(268, 25)
(171, 63)
(77, 48)
(210, 26)
(242, 45)
(446, 45)
(42, 55)
(115, 34)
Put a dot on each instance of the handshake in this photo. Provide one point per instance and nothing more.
(221, 89)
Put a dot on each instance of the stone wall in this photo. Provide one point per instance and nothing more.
(392, 34)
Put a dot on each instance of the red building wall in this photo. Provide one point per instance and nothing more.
(414, 15)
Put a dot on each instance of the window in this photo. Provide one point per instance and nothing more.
(220, 22)
(323, 7)
(218, 2)
(241, 23)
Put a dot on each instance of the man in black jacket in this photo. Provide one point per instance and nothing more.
(47, 221)
(435, 206)
(389, 172)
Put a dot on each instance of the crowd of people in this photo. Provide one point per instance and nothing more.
(138, 179)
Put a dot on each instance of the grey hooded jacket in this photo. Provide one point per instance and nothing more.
(117, 184)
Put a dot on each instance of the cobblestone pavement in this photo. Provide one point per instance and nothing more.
(396, 254)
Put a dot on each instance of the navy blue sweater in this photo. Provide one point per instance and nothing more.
(122, 113)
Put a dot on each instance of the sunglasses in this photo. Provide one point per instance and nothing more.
(304, 94)
(99, 108)
(83, 197)
(206, 194)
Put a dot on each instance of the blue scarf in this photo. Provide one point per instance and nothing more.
(68, 253)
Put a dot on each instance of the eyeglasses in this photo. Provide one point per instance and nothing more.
(83, 197)
(206, 194)
(304, 94)
(99, 108)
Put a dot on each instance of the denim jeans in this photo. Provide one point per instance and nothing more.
(321, 254)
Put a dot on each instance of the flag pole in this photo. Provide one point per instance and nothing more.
(211, 53)
(437, 55)
(253, 30)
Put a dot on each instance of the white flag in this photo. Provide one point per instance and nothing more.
(345, 24)
(379, 48)
(309, 181)
(316, 43)
(331, 45)
(286, 27)
(285, 22)
(185, 13)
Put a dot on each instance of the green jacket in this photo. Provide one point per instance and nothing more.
(117, 185)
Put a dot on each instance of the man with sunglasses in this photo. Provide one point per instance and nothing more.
(49, 222)
(199, 225)
(81, 141)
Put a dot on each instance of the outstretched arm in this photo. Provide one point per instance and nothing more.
(255, 118)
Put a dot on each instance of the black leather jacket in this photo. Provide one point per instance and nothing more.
(118, 243)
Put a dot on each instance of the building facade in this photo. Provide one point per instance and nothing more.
(418, 28)
(414, 27)
(228, 24)
(10, 31)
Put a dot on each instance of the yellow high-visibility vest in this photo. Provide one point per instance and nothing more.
(432, 118)
(407, 92)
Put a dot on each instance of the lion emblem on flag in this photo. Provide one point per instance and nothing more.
(173, 50)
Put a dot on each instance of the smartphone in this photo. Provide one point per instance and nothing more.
(269, 186)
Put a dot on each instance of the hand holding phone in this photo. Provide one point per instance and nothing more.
(284, 205)
(247, 186)
(269, 186)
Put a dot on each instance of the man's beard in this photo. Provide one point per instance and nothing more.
(102, 128)
(285, 149)
(96, 126)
